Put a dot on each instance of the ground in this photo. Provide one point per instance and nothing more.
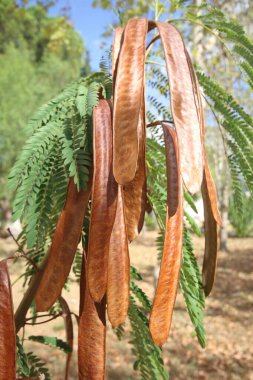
(229, 321)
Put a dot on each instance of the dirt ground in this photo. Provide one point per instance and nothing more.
(229, 321)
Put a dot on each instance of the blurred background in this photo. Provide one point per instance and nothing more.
(44, 45)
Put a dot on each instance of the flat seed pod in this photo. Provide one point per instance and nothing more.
(104, 201)
(91, 334)
(135, 192)
(69, 332)
(118, 269)
(64, 244)
(183, 106)
(7, 327)
(163, 305)
(127, 100)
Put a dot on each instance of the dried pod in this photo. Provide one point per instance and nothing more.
(64, 244)
(211, 241)
(7, 327)
(69, 332)
(163, 305)
(91, 333)
(210, 201)
(118, 268)
(135, 192)
(104, 201)
(127, 100)
(183, 106)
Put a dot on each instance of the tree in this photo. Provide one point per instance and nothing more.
(39, 55)
(53, 178)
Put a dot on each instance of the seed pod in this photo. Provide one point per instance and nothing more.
(69, 332)
(211, 241)
(135, 192)
(7, 327)
(183, 106)
(127, 100)
(163, 305)
(118, 268)
(91, 334)
(64, 244)
(210, 202)
(104, 201)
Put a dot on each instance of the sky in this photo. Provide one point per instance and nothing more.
(90, 23)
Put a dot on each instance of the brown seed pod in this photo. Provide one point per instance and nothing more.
(183, 106)
(135, 192)
(104, 201)
(7, 327)
(69, 332)
(118, 268)
(211, 241)
(64, 244)
(210, 201)
(91, 334)
(163, 305)
(127, 100)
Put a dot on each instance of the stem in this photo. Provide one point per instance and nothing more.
(48, 320)
(20, 315)
(159, 122)
(23, 253)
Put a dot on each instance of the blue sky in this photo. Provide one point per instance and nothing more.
(90, 23)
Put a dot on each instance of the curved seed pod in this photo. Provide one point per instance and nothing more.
(62, 251)
(211, 241)
(135, 192)
(104, 201)
(162, 310)
(117, 42)
(183, 106)
(91, 334)
(210, 202)
(7, 327)
(118, 268)
(127, 100)
(201, 114)
(69, 332)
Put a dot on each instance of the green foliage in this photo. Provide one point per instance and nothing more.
(149, 362)
(241, 218)
(58, 148)
(29, 364)
(39, 55)
(192, 289)
(52, 342)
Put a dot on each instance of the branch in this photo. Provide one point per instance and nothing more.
(20, 315)
(159, 122)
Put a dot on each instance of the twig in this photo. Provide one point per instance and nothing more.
(22, 252)
(38, 316)
(48, 320)
(159, 122)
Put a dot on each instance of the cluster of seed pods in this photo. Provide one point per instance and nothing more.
(118, 193)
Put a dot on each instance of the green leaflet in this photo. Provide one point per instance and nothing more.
(192, 289)
(149, 362)
(29, 364)
(52, 342)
